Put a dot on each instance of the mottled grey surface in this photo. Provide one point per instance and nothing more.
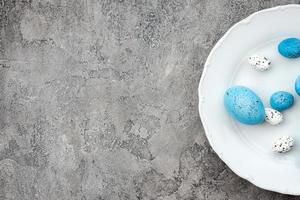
(98, 100)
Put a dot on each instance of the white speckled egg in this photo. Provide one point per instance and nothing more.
(259, 62)
(283, 144)
(273, 117)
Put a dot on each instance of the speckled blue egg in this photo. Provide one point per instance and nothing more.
(244, 105)
(281, 100)
(289, 48)
(297, 85)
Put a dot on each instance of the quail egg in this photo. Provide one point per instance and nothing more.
(283, 144)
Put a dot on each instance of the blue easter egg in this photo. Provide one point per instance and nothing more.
(281, 100)
(289, 48)
(244, 105)
(297, 85)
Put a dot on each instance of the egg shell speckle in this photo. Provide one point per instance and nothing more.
(273, 117)
(244, 105)
(289, 48)
(283, 144)
(297, 85)
(281, 100)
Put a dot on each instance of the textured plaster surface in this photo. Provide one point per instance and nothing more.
(98, 100)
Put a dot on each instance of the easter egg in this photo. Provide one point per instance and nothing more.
(281, 100)
(260, 63)
(273, 117)
(283, 144)
(244, 105)
(297, 85)
(289, 48)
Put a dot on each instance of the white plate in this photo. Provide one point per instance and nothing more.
(247, 150)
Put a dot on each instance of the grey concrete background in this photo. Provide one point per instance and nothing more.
(98, 100)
